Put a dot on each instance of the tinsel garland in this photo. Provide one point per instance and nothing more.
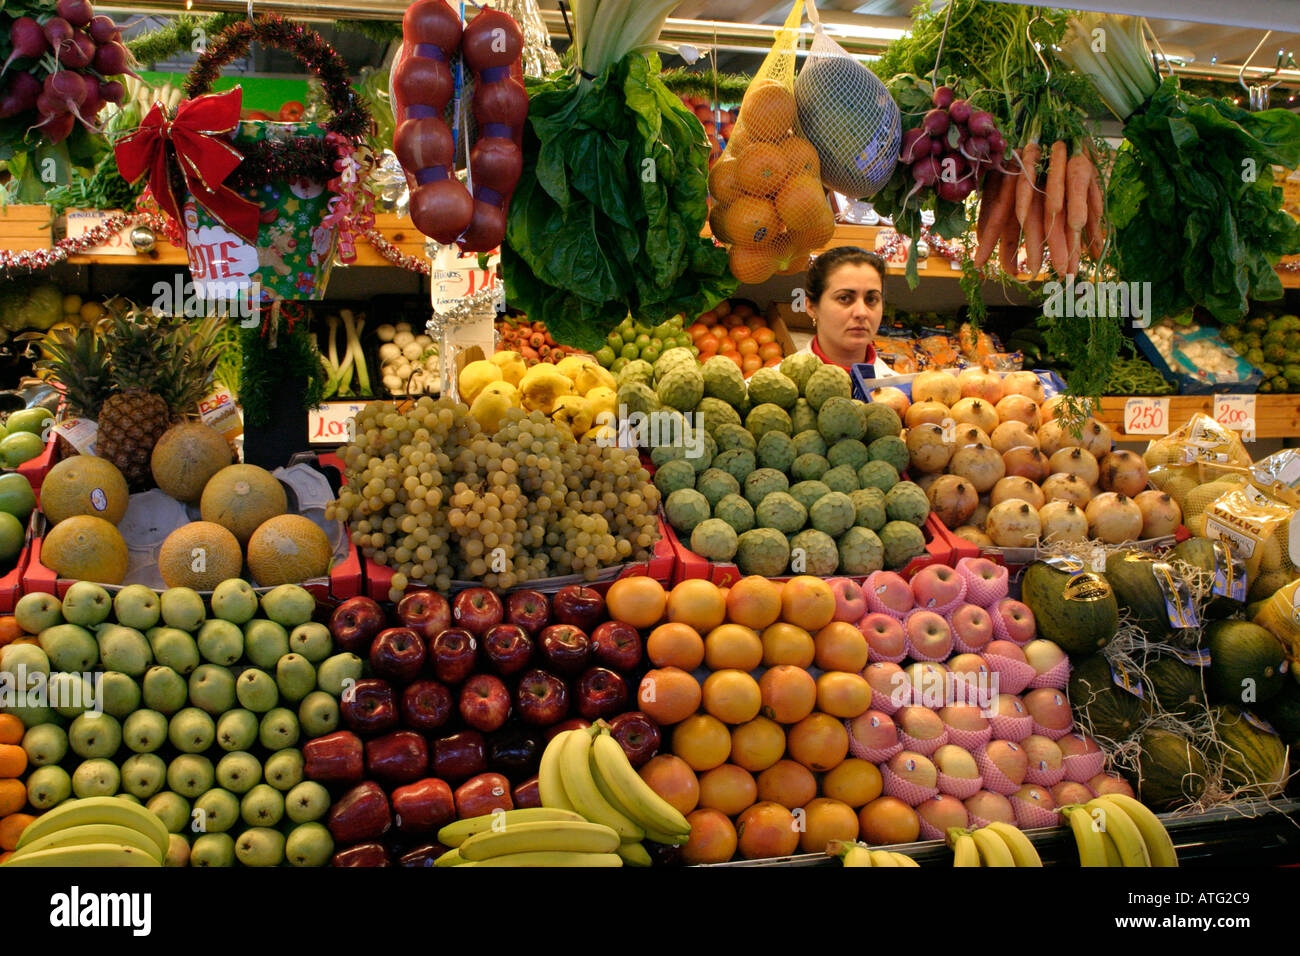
(178, 36)
(395, 255)
(36, 259)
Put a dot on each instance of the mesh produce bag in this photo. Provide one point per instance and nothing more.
(769, 205)
(848, 116)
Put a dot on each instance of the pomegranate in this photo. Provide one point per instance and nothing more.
(1124, 472)
(953, 499)
(977, 412)
(936, 387)
(1063, 521)
(1027, 462)
(1065, 487)
(1114, 518)
(1013, 524)
(971, 435)
(1013, 434)
(1160, 513)
(981, 512)
(895, 398)
(1075, 461)
(1096, 438)
(1013, 486)
(980, 464)
(980, 383)
(925, 481)
(936, 413)
(1018, 408)
(974, 535)
(1053, 436)
(1023, 383)
(927, 451)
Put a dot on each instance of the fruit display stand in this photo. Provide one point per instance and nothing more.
(1276, 416)
(11, 584)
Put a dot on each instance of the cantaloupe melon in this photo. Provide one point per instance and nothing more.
(185, 458)
(241, 497)
(288, 549)
(84, 485)
(199, 555)
(85, 548)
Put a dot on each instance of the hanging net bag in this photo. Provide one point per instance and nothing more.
(848, 116)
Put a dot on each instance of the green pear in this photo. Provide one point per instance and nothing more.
(237, 730)
(191, 731)
(215, 812)
(260, 846)
(137, 606)
(278, 730)
(46, 744)
(295, 677)
(164, 690)
(33, 715)
(239, 772)
(128, 798)
(70, 647)
(190, 775)
(98, 777)
(95, 735)
(256, 690)
(124, 649)
(337, 673)
(175, 648)
(213, 849)
(318, 714)
(306, 802)
(182, 608)
(288, 605)
(212, 688)
(71, 694)
(144, 775)
(119, 695)
(172, 809)
(47, 787)
(178, 851)
(234, 600)
(144, 731)
(312, 640)
(87, 604)
(309, 844)
(265, 642)
(262, 806)
(23, 660)
(37, 611)
(220, 642)
(284, 769)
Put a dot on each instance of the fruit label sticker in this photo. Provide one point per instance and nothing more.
(1178, 596)
(1240, 542)
(1259, 723)
(79, 432)
(1229, 571)
(1126, 681)
(1146, 416)
(1085, 587)
(1193, 657)
(1067, 563)
(98, 500)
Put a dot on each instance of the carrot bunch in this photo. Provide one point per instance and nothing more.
(531, 340)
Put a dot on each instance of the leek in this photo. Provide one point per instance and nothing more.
(605, 31)
(1123, 75)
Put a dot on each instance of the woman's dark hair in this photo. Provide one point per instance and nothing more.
(826, 263)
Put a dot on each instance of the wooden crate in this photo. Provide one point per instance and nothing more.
(24, 228)
(1276, 416)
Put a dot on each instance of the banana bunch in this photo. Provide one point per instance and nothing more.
(1117, 830)
(95, 831)
(998, 844)
(855, 854)
(586, 772)
(535, 836)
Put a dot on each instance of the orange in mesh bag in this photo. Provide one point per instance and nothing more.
(769, 204)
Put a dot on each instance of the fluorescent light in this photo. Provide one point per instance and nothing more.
(862, 32)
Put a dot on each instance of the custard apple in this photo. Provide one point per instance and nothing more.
(734, 436)
(638, 397)
(765, 418)
(681, 386)
(686, 508)
(799, 367)
(828, 381)
(892, 449)
(809, 467)
(902, 541)
(724, 380)
(907, 502)
(737, 462)
(714, 539)
(841, 418)
(779, 510)
(870, 506)
(841, 478)
(763, 551)
(803, 417)
(762, 482)
(736, 511)
(768, 385)
(776, 450)
(878, 474)
(715, 484)
(833, 514)
(809, 442)
(714, 414)
(816, 551)
(671, 359)
(860, 551)
(848, 451)
(637, 370)
(808, 493)
(881, 421)
(673, 475)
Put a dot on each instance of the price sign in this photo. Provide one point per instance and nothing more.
(457, 275)
(1236, 412)
(82, 221)
(1146, 416)
(334, 423)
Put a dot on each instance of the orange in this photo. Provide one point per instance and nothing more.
(819, 741)
(766, 830)
(637, 600)
(739, 331)
(13, 760)
(732, 696)
(770, 350)
(758, 744)
(672, 779)
(728, 788)
(888, 820)
(766, 337)
(787, 783)
(718, 226)
(675, 645)
(11, 729)
(855, 782)
(749, 266)
(697, 331)
(713, 838)
(702, 741)
(11, 829)
(808, 602)
(826, 820)
(751, 221)
(669, 695)
(843, 694)
(13, 796)
(789, 693)
(840, 647)
(761, 169)
(733, 645)
(802, 157)
(786, 644)
(818, 235)
(727, 347)
(698, 604)
(800, 202)
(723, 183)
(747, 348)
(767, 111)
(9, 630)
(751, 364)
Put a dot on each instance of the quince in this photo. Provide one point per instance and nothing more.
(571, 365)
(506, 389)
(476, 376)
(604, 435)
(511, 364)
(592, 376)
(603, 399)
(542, 385)
(574, 413)
(489, 408)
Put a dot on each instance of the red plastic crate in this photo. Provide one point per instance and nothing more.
(11, 585)
(37, 468)
(964, 549)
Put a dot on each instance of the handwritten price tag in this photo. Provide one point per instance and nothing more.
(1146, 416)
(1236, 412)
(82, 221)
(457, 276)
(334, 423)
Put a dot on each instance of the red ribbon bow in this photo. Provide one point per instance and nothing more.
(198, 136)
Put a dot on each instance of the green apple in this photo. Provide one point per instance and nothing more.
(178, 851)
(95, 735)
(309, 844)
(307, 801)
(234, 600)
(312, 640)
(70, 647)
(284, 769)
(265, 642)
(124, 649)
(288, 605)
(191, 731)
(295, 677)
(37, 611)
(278, 730)
(236, 730)
(164, 690)
(212, 688)
(144, 775)
(118, 695)
(190, 775)
(334, 674)
(144, 731)
(137, 606)
(221, 642)
(318, 714)
(174, 648)
(87, 604)
(47, 787)
(262, 806)
(172, 809)
(46, 744)
(24, 660)
(182, 608)
(71, 694)
(239, 772)
(96, 778)
(213, 849)
(260, 846)
(215, 812)
(256, 690)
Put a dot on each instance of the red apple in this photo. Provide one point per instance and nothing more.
(1017, 620)
(477, 610)
(399, 757)
(423, 855)
(541, 699)
(573, 723)
(850, 605)
(339, 756)
(452, 652)
(363, 854)
(361, 814)
(637, 734)
(425, 612)
(938, 587)
(529, 609)
(527, 794)
(484, 702)
(397, 654)
(458, 757)
(565, 648)
(424, 806)
(515, 751)
(616, 645)
(355, 623)
(483, 794)
(508, 648)
(426, 705)
(601, 693)
(580, 606)
(369, 707)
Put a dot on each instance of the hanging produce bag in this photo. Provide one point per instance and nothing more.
(258, 202)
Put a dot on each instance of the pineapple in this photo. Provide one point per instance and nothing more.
(77, 360)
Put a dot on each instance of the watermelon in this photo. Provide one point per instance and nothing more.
(1078, 612)
(1201, 553)
(1247, 663)
(1253, 758)
(1100, 704)
(1171, 771)
(1283, 712)
(1131, 575)
(1176, 688)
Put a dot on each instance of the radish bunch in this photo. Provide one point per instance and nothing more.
(953, 148)
(73, 56)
